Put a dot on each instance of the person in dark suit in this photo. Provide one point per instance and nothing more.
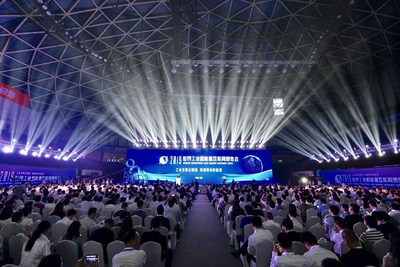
(354, 216)
(164, 220)
(104, 236)
(357, 255)
(287, 227)
(156, 236)
(384, 225)
(140, 211)
(245, 220)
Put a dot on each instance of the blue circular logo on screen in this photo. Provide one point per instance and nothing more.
(251, 164)
(163, 160)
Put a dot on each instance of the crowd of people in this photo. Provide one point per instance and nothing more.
(287, 217)
(104, 211)
(282, 218)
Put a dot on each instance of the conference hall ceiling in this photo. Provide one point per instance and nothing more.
(159, 69)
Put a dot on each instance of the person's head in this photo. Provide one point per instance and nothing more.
(309, 239)
(27, 211)
(131, 239)
(73, 230)
(108, 223)
(6, 212)
(59, 207)
(140, 204)
(284, 242)
(256, 221)
(17, 217)
(354, 208)
(330, 262)
(287, 225)
(334, 210)
(127, 223)
(37, 198)
(53, 260)
(155, 223)
(350, 239)
(372, 204)
(345, 207)
(71, 213)
(395, 206)
(339, 223)
(370, 222)
(271, 204)
(124, 206)
(42, 229)
(160, 209)
(248, 209)
(270, 216)
(92, 213)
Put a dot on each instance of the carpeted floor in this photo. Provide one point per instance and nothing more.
(204, 242)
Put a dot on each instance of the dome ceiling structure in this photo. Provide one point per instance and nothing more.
(187, 70)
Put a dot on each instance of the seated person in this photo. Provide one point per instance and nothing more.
(357, 255)
(131, 256)
(288, 258)
(156, 236)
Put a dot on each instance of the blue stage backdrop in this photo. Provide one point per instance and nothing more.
(215, 166)
(12, 174)
(389, 176)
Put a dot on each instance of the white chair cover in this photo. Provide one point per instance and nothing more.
(58, 230)
(311, 213)
(381, 248)
(343, 248)
(153, 254)
(248, 230)
(35, 216)
(147, 222)
(93, 247)
(299, 248)
(140, 229)
(15, 244)
(116, 230)
(318, 231)
(114, 248)
(278, 219)
(263, 254)
(68, 251)
(359, 228)
(275, 230)
(53, 219)
(311, 221)
(137, 220)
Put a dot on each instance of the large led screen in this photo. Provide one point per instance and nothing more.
(214, 166)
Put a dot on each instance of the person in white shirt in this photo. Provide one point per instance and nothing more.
(89, 221)
(315, 253)
(337, 237)
(395, 209)
(131, 256)
(293, 216)
(67, 220)
(86, 204)
(270, 221)
(257, 237)
(288, 258)
(37, 247)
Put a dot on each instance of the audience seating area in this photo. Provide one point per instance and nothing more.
(320, 206)
(63, 204)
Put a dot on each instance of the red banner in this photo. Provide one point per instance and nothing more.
(14, 95)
